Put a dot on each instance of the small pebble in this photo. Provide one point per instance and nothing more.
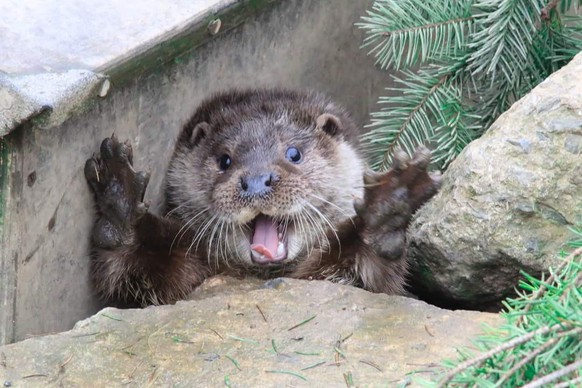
(276, 283)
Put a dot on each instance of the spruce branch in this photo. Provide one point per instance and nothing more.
(566, 36)
(408, 118)
(540, 291)
(570, 5)
(455, 130)
(407, 33)
(505, 31)
(428, 26)
(501, 48)
(505, 346)
(545, 348)
(524, 361)
(570, 383)
(555, 375)
(545, 12)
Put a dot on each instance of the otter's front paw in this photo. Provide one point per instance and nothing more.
(118, 190)
(390, 200)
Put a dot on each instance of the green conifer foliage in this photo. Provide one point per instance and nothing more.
(461, 64)
(540, 343)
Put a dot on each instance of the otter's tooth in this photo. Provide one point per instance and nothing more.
(280, 249)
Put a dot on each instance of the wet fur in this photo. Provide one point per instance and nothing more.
(141, 259)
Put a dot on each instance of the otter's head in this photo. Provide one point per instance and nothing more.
(264, 177)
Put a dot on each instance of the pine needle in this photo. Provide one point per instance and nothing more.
(302, 323)
(288, 372)
(314, 365)
(247, 340)
(235, 362)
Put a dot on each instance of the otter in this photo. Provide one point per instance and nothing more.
(262, 182)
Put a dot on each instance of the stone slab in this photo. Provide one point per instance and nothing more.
(250, 334)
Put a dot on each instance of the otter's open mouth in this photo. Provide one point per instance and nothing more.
(268, 241)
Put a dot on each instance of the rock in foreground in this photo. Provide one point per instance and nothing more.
(507, 201)
(249, 334)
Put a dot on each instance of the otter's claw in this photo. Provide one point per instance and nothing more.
(119, 191)
(391, 198)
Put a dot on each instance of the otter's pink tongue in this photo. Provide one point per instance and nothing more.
(265, 239)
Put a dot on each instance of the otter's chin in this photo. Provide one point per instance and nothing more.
(268, 241)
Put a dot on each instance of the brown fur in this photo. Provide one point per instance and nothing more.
(144, 259)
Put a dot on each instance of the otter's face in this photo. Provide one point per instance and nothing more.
(265, 191)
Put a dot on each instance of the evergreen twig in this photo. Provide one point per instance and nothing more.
(546, 348)
(550, 280)
(499, 50)
(555, 375)
(505, 346)
(545, 12)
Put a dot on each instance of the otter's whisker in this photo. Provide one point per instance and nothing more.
(179, 207)
(301, 231)
(200, 234)
(316, 230)
(342, 211)
(318, 226)
(328, 222)
(312, 231)
(224, 235)
(187, 226)
(211, 240)
(229, 233)
(220, 242)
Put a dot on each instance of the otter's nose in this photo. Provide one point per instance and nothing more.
(258, 185)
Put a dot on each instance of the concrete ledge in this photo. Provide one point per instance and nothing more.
(50, 98)
(60, 57)
(15, 107)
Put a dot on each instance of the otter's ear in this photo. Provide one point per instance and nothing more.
(198, 133)
(329, 123)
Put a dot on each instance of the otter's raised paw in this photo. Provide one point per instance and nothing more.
(391, 198)
(119, 192)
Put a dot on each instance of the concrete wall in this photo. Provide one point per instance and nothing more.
(47, 208)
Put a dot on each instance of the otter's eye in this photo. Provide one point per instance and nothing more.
(224, 162)
(293, 155)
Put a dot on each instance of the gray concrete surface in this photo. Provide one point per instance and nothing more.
(46, 211)
(52, 53)
(55, 36)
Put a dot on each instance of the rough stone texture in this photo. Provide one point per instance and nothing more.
(223, 338)
(507, 201)
(44, 247)
(14, 108)
(59, 94)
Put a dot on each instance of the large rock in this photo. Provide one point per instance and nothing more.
(246, 334)
(507, 201)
